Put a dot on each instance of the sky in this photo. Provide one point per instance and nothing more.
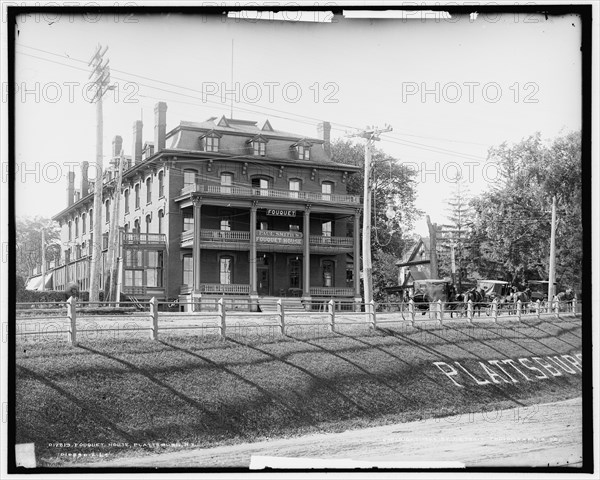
(450, 88)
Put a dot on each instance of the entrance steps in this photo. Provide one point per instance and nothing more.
(290, 304)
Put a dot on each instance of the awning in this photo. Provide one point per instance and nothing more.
(35, 283)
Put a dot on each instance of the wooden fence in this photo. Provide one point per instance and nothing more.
(332, 317)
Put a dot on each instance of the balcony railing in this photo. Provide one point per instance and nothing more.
(221, 288)
(145, 238)
(271, 193)
(224, 236)
(331, 241)
(331, 291)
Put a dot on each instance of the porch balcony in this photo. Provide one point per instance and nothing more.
(144, 238)
(229, 191)
(331, 292)
(218, 289)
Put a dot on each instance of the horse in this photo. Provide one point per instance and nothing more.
(524, 297)
(456, 303)
(477, 297)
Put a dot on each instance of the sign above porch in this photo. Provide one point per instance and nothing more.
(281, 213)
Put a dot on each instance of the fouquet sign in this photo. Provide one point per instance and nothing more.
(280, 213)
(526, 369)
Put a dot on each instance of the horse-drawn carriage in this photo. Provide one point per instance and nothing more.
(486, 291)
(428, 291)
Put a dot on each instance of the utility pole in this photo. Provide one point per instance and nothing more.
(101, 77)
(552, 273)
(113, 236)
(43, 259)
(371, 134)
(433, 260)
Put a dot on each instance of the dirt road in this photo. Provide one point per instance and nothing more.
(538, 435)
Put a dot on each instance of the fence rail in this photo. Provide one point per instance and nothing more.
(285, 315)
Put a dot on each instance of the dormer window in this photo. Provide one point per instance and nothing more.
(212, 144)
(260, 148)
(303, 152)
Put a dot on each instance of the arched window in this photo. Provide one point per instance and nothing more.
(83, 225)
(137, 195)
(261, 185)
(136, 226)
(149, 190)
(148, 222)
(107, 211)
(91, 219)
(161, 184)
(76, 227)
(70, 230)
(126, 201)
(161, 214)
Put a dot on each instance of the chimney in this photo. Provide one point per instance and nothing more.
(71, 189)
(136, 155)
(324, 130)
(85, 186)
(117, 146)
(160, 126)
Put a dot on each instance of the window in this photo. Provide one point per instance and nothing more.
(294, 188)
(326, 190)
(327, 273)
(76, 227)
(189, 178)
(161, 214)
(260, 148)
(295, 270)
(263, 225)
(349, 275)
(77, 252)
(148, 222)
(226, 182)
(188, 270)
(303, 152)
(161, 184)
(225, 270)
(68, 256)
(83, 219)
(126, 195)
(137, 196)
(154, 268)
(70, 230)
(126, 228)
(136, 226)
(107, 211)
(226, 224)
(149, 190)
(327, 229)
(260, 186)
(91, 220)
(212, 144)
(188, 222)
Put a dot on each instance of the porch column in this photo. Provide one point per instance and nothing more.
(252, 260)
(356, 251)
(306, 251)
(197, 259)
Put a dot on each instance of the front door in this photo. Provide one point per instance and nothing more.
(264, 287)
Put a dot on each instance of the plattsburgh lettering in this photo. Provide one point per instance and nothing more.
(511, 371)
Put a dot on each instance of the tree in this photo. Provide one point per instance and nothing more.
(29, 243)
(511, 228)
(393, 186)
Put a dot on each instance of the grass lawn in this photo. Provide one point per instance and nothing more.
(128, 396)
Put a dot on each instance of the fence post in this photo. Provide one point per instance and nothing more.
(72, 315)
(373, 317)
(557, 309)
(495, 309)
(519, 306)
(440, 310)
(411, 310)
(574, 306)
(281, 314)
(221, 312)
(470, 310)
(154, 318)
(538, 308)
(331, 307)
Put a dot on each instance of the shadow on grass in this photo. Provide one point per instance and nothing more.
(356, 365)
(262, 390)
(216, 419)
(547, 335)
(321, 382)
(91, 412)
